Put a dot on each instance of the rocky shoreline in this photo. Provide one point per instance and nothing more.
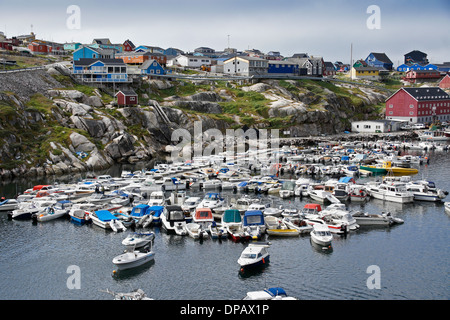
(49, 127)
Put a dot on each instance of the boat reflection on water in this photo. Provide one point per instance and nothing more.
(321, 249)
(126, 274)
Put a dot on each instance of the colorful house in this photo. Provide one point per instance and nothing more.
(128, 46)
(367, 73)
(93, 53)
(151, 67)
(246, 66)
(418, 105)
(415, 76)
(282, 67)
(416, 56)
(38, 48)
(105, 43)
(100, 70)
(379, 60)
(127, 97)
(72, 46)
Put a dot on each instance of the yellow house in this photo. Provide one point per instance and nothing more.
(368, 73)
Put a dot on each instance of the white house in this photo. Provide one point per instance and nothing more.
(189, 61)
(377, 126)
(245, 66)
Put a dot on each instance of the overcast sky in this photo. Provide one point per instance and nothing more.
(324, 28)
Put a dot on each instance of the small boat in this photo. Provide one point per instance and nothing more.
(106, 220)
(422, 192)
(191, 203)
(196, 231)
(302, 226)
(156, 199)
(9, 205)
(358, 193)
(321, 235)
(275, 293)
(217, 231)
(237, 232)
(132, 258)
(276, 227)
(173, 220)
(375, 219)
(79, 215)
(255, 255)
(231, 217)
(138, 239)
(59, 210)
(395, 192)
(204, 217)
(212, 200)
(254, 220)
(447, 207)
(26, 210)
(310, 209)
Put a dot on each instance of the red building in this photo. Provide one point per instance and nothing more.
(419, 105)
(127, 98)
(445, 82)
(6, 46)
(36, 47)
(128, 46)
(414, 76)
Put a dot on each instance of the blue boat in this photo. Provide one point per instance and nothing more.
(254, 222)
(142, 211)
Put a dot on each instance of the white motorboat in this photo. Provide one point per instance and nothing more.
(321, 235)
(395, 192)
(156, 199)
(173, 220)
(274, 293)
(191, 203)
(302, 226)
(277, 227)
(106, 220)
(321, 194)
(447, 207)
(272, 211)
(254, 255)
(133, 258)
(217, 231)
(212, 201)
(337, 214)
(196, 231)
(138, 239)
(376, 219)
(358, 193)
(9, 205)
(422, 192)
(26, 210)
(59, 210)
(211, 184)
(99, 198)
(204, 217)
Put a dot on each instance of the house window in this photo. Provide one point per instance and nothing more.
(391, 112)
(391, 106)
(411, 106)
(411, 113)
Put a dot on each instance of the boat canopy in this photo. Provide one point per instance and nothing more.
(140, 210)
(347, 180)
(155, 210)
(276, 291)
(105, 215)
(253, 217)
(232, 215)
(313, 206)
(203, 213)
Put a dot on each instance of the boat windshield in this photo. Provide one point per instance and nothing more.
(323, 233)
(248, 255)
(177, 215)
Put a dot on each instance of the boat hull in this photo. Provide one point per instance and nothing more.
(123, 262)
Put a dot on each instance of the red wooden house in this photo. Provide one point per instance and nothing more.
(445, 82)
(128, 46)
(6, 46)
(418, 105)
(415, 76)
(36, 47)
(127, 97)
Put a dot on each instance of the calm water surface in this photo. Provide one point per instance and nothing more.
(413, 257)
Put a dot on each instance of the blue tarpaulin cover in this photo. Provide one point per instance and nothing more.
(105, 215)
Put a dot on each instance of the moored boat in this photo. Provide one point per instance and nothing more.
(321, 235)
(254, 255)
(134, 258)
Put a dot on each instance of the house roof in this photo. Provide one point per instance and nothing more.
(130, 43)
(424, 94)
(381, 57)
(415, 52)
(89, 61)
(147, 63)
(101, 41)
(127, 92)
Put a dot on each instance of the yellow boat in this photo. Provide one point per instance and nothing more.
(399, 171)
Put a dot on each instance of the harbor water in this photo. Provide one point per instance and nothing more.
(411, 259)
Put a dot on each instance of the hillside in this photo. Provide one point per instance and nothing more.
(51, 125)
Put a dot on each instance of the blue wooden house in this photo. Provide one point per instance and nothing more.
(282, 67)
(93, 53)
(379, 60)
(100, 70)
(150, 67)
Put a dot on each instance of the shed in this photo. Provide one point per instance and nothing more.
(127, 97)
